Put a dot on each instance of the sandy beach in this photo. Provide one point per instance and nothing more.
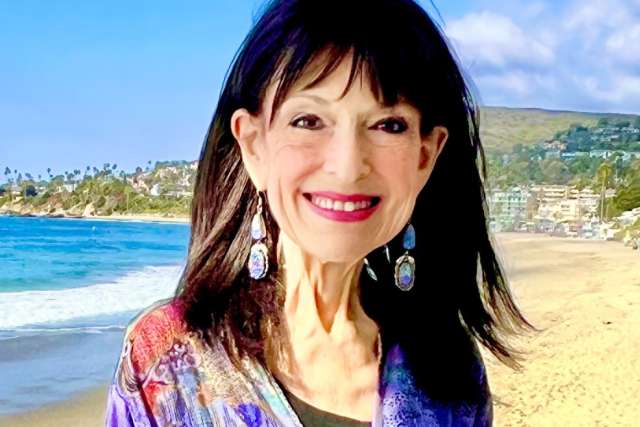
(86, 410)
(581, 370)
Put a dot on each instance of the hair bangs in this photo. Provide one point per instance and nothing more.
(390, 75)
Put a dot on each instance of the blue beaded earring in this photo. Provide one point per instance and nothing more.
(258, 263)
(405, 265)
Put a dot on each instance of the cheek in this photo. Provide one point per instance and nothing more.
(399, 167)
(291, 158)
(289, 166)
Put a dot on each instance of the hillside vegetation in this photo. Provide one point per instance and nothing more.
(502, 128)
(523, 146)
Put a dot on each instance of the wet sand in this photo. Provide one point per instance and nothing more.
(85, 410)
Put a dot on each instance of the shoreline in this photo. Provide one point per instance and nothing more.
(115, 217)
(582, 294)
(86, 408)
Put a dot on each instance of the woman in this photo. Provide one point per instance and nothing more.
(338, 229)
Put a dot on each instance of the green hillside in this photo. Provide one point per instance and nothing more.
(502, 128)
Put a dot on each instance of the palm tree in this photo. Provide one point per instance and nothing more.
(603, 176)
(7, 172)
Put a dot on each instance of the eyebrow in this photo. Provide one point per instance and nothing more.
(315, 98)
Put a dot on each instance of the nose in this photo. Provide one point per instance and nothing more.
(347, 156)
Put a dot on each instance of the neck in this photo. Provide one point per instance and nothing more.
(328, 334)
(320, 296)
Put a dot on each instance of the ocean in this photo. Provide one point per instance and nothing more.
(68, 288)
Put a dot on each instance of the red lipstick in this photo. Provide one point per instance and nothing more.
(343, 197)
(343, 216)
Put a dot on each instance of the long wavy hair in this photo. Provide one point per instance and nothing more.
(461, 292)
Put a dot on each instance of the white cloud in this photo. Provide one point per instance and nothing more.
(487, 39)
(622, 88)
(535, 9)
(590, 15)
(624, 44)
(583, 54)
(516, 86)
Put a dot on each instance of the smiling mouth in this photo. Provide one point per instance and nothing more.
(347, 204)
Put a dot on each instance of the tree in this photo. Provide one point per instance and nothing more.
(554, 171)
(605, 171)
(30, 191)
(7, 173)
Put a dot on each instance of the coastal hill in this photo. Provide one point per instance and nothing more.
(501, 128)
(523, 147)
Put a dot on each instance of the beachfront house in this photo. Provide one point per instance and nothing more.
(509, 209)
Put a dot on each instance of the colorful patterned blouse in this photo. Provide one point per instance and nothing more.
(167, 376)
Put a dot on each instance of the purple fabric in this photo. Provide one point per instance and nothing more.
(168, 376)
(118, 413)
(402, 404)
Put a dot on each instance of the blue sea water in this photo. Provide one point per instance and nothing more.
(68, 288)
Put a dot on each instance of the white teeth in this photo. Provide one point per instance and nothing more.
(338, 205)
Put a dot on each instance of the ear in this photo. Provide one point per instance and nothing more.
(246, 129)
(430, 148)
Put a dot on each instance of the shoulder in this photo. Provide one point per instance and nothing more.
(153, 332)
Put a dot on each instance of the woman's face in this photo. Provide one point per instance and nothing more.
(341, 174)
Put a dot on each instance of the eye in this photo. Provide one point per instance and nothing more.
(392, 125)
(307, 122)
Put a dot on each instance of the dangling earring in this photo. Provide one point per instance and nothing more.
(370, 271)
(386, 253)
(367, 266)
(259, 257)
(405, 265)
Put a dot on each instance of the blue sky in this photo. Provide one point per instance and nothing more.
(90, 82)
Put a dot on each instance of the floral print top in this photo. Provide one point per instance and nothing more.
(167, 376)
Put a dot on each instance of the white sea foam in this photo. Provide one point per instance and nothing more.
(134, 291)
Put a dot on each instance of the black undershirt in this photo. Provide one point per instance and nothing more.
(310, 416)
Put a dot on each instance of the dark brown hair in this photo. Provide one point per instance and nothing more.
(405, 56)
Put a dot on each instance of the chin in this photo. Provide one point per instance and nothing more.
(339, 253)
